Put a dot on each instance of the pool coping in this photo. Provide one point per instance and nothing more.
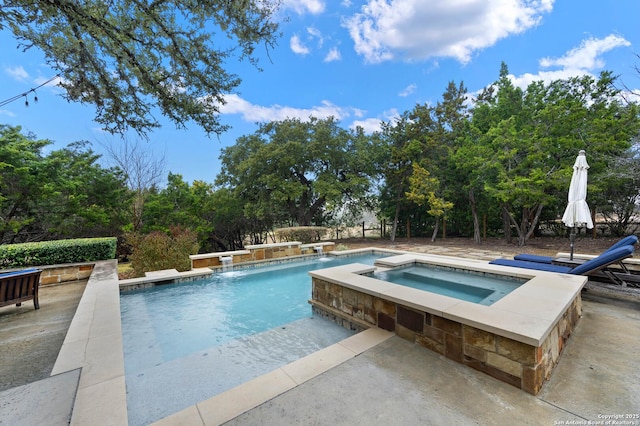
(94, 344)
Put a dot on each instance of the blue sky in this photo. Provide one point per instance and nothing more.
(362, 62)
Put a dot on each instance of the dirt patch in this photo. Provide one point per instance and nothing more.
(547, 246)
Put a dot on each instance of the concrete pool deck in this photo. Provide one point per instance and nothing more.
(391, 382)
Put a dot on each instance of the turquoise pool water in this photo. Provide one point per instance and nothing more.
(187, 342)
(166, 322)
(472, 287)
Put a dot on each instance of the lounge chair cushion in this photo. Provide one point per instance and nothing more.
(532, 265)
(533, 258)
(606, 258)
(626, 241)
(23, 271)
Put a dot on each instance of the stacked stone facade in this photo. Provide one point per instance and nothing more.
(257, 253)
(519, 364)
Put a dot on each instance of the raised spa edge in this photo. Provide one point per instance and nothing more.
(518, 339)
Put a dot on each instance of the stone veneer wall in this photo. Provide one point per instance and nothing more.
(266, 252)
(524, 366)
(214, 260)
(58, 274)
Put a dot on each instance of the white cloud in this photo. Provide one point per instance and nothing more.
(421, 29)
(17, 73)
(252, 113)
(315, 33)
(371, 125)
(585, 59)
(333, 55)
(7, 113)
(301, 7)
(587, 55)
(408, 90)
(256, 113)
(297, 46)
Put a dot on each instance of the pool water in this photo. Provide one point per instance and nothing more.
(471, 287)
(166, 322)
(186, 342)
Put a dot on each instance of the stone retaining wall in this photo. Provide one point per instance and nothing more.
(258, 252)
(57, 274)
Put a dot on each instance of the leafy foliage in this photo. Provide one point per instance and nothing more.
(157, 250)
(304, 234)
(65, 194)
(130, 57)
(302, 172)
(57, 252)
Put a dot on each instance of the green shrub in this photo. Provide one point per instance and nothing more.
(304, 234)
(157, 250)
(57, 252)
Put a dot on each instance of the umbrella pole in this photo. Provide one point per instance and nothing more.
(572, 240)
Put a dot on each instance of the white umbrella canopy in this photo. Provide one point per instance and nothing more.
(577, 213)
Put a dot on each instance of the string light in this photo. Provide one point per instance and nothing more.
(25, 94)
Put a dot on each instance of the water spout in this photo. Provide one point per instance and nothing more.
(319, 250)
(227, 263)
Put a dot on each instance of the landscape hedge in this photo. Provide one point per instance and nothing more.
(57, 252)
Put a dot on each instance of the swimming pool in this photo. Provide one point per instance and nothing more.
(189, 341)
(477, 288)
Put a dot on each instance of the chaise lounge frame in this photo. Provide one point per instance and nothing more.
(597, 267)
(20, 286)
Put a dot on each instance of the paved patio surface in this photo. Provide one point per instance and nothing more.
(400, 383)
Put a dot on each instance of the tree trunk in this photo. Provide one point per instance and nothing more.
(506, 214)
(534, 221)
(476, 222)
(396, 217)
(506, 223)
(435, 230)
(528, 225)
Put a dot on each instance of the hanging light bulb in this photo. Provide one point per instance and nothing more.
(35, 97)
(26, 101)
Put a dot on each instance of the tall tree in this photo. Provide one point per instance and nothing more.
(409, 139)
(142, 170)
(528, 142)
(298, 171)
(21, 169)
(130, 57)
(422, 191)
(63, 194)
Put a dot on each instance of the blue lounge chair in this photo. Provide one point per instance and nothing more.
(593, 267)
(630, 240)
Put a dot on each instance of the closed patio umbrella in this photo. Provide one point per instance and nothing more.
(577, 213)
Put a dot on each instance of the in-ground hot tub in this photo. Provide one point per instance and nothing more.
(516, 339)
(468, 285)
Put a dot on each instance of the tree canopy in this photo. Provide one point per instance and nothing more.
(492, 167)
(64, 194)
(131, 57)
(303, 172)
